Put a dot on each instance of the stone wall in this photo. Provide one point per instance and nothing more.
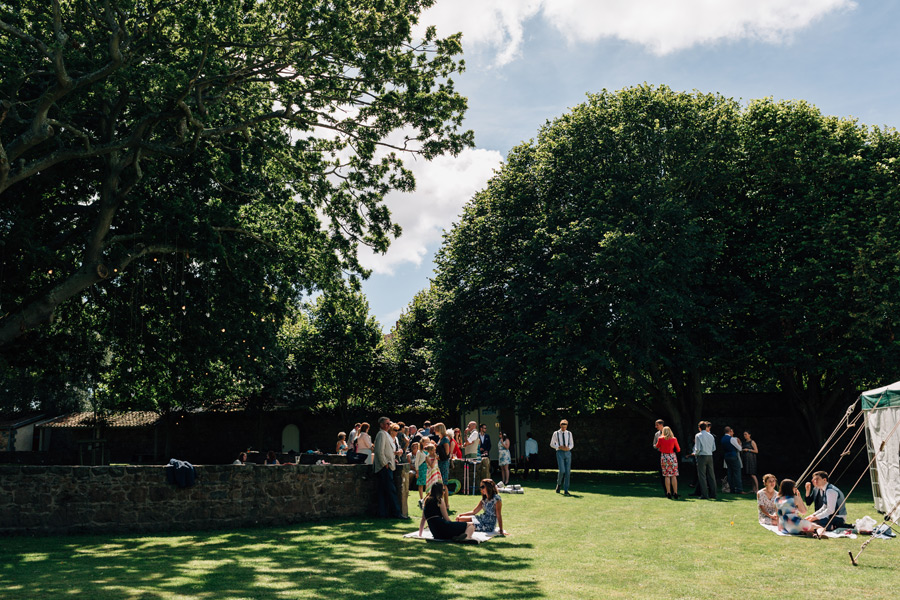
(71, 499)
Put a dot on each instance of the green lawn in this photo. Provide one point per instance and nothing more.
(614, 539)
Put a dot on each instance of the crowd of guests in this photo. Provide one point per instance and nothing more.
(783, 508)
(739, 460)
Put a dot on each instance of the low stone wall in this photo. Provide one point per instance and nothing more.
(67, 499)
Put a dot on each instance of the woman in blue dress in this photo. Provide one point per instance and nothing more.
(791, 509)
(505, 458)
(491, 505)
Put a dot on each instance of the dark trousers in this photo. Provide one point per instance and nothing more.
(706, 476)
(531, 462)
(836, 523)
(388, 501)
(734, 474)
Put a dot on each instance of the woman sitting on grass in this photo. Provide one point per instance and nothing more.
(491, 504)
(791, 510)
(765, 499)
(440, 525)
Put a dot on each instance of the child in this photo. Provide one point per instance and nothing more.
(491, 504)
(420, 468)
(433, 472)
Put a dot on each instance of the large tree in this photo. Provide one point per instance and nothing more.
(815, 247)
(590, 269)
(235, 153)
(651, 244)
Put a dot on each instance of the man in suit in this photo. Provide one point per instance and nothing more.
(484, 445)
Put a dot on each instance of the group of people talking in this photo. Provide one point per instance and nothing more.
(787, 510)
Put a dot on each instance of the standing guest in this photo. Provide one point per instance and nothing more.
(341, 447)
(395, 442)
(748, 454)
(364, 443)
(443, 454)
(765, 499)
(531, 456)
(832, 503)
(351, 439)
(791, 510)
(453, 445)
(668, 461)
(704, 444)
(470, 448)
(402, 437)
(484, 445)
(659, 427)
(492, 506)
(563, 442)
(241, 459)
(505, 458)
(426, 429)
(414, 435)
(270, 458)
(435, 515)
(421, 469)
(384, 461)
(730, 448)
(433, 472)
(457, 444)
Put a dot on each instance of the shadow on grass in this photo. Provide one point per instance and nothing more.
(318, 560)
(639, 484)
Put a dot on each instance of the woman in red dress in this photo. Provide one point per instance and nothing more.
(668, 461)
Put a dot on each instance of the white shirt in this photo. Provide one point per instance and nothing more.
(531, 446)
(471, 440)
(562, 438)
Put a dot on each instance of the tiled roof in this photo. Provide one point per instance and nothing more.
(118, 420)
(9, 420)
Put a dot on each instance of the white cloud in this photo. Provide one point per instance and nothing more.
(662, 26)
(443, 186)
(494, 23)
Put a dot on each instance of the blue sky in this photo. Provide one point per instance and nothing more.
(528, 61)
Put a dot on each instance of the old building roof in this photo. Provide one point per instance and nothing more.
(117, 420)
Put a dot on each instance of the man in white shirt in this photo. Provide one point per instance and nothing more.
(531, 456)
(563, 442)
(384, 462)
(470, 446)
(832, 502)
(351, 439)
(704, 445)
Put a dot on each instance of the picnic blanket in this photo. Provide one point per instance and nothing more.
(477, 537)
(837, 533)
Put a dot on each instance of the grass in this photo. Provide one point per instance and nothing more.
(615, 538)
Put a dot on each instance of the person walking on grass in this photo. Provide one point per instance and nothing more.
(563, 442)
(668, 461)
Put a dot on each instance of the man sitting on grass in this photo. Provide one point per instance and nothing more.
(828, 500)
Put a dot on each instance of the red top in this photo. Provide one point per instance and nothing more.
(665, 446)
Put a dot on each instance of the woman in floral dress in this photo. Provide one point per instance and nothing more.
(491, 505)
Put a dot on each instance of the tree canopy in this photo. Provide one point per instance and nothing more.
(651, 244)
(174, 177)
